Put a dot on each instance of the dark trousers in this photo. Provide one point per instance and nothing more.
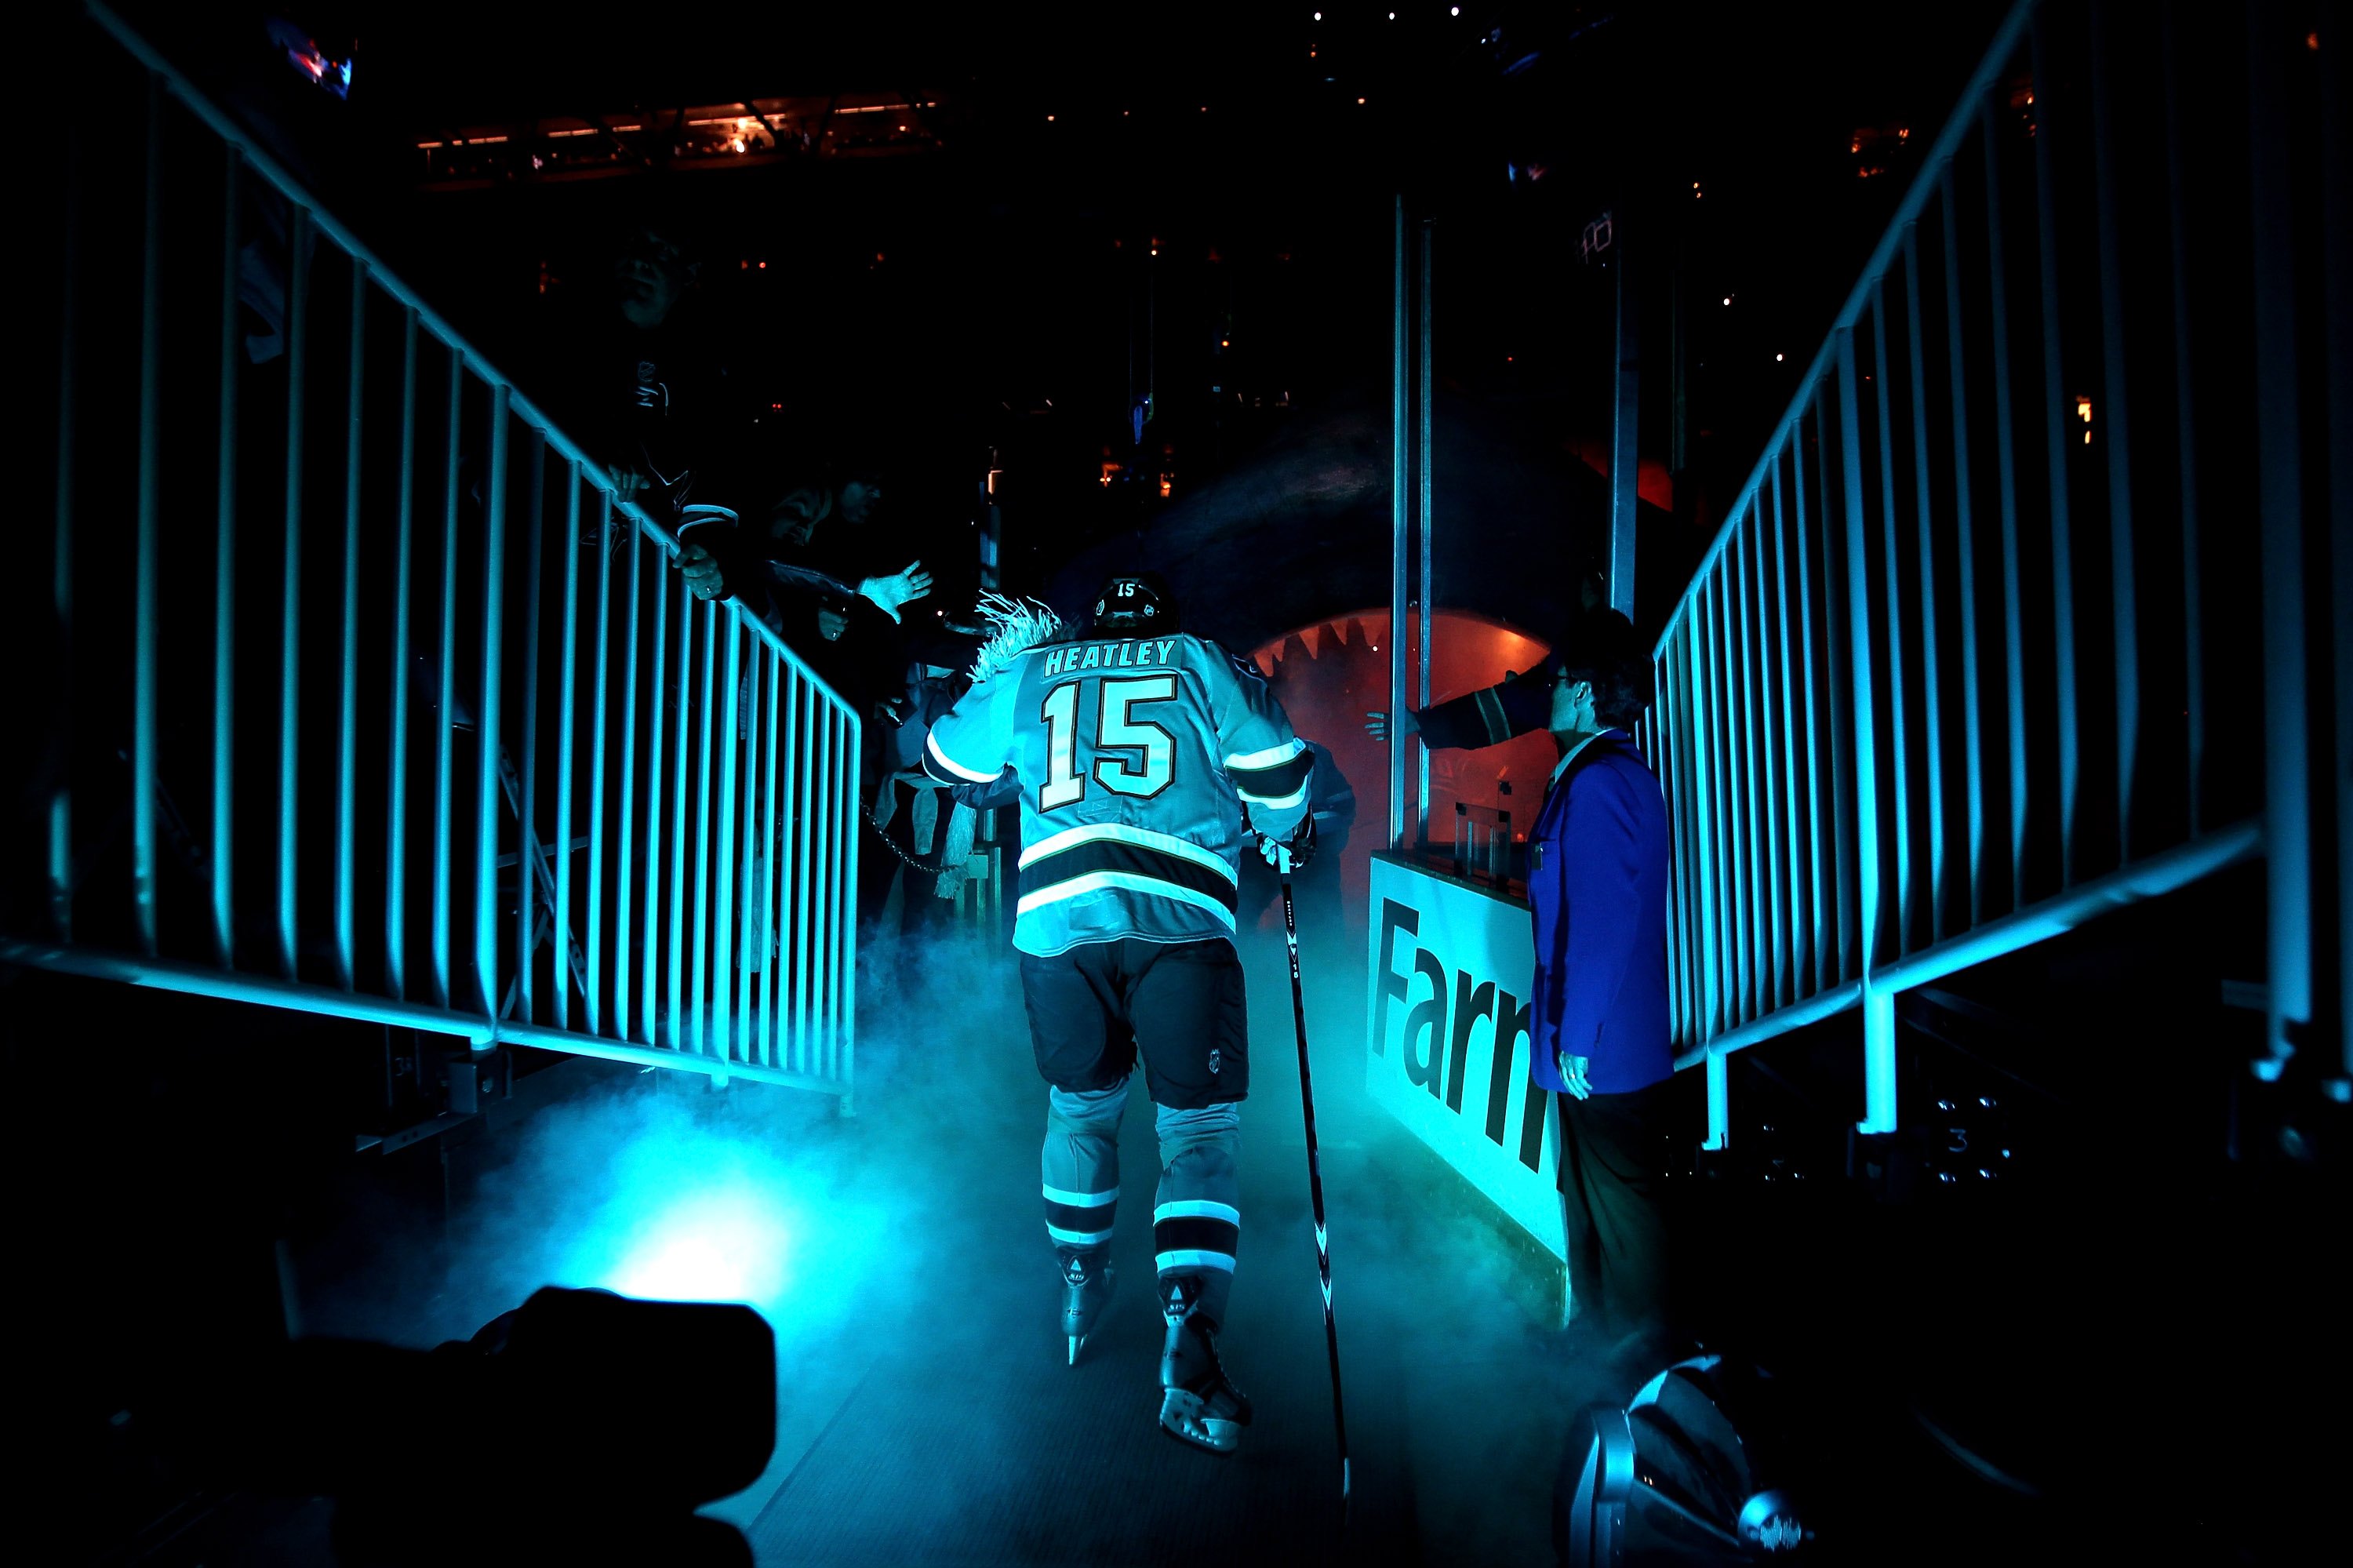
(1613, 1159)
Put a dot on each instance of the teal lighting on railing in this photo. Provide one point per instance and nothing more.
(1938, 692)
(425, 754)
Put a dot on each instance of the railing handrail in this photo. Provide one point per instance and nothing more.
(1925, 184)
(221, 124)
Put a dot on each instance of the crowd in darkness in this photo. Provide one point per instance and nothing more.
(786, 518)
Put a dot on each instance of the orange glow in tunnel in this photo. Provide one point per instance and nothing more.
(1328, 675)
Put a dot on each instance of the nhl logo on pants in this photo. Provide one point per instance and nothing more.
(1215, 1056)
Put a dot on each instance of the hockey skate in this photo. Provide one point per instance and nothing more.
(1199, 1404)
(1087, 1281)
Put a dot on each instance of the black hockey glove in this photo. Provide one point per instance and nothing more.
(1300, 845)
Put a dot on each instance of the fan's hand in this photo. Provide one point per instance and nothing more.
(702, 573)
(1573, 1071)
(901, 587)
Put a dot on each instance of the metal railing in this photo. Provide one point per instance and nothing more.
(1957, 671)
(409, 721)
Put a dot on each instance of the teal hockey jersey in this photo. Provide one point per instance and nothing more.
(1137, 757)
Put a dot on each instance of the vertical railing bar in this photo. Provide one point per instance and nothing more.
(2006, 473)
(723, 902)
(845, 898)
(1687, 786)
(676, 949)
(487, 786)
(1963, 530)
(770, 845)
(2282, 542)
(838, 948)
(1694, 759)
(395, 851)
(347, 737)
(2116, 397)
(530, 865)
(837, 856)
(1711, 754)
(567, 700)
(1724, 741)
(750, 915)
(1838, 698)
(2193, 657)
(1423, 398)
(1769, 816)
(1891, 566)
(792, 880)
(60, 890)
(1724, 738)
(298, 357)
(708, 723)
(1711, 820)
(1794, 984)
(151, 491)
(1742, 755)
(2054, 422)
(1678, 753)
(1866, 748)
(625, 808)
(742, 1031)
(812, 879)
(1932, 708)
(657, 708)
(1733, 624)
(2335, 121)
(1662, 754)
(1735, 821)
(1765, 892)
(1838, 694)
(1399, 456)
(1702, 830)
(1815, 945)
(1695, 907)
(593, 998)
(446, 701)
(223, 836)
(828, 862)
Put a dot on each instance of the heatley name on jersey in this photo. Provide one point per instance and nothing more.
(1106, 735)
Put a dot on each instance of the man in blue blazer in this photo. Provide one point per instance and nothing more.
(1597, 867)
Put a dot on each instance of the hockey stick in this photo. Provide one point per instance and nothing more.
(1316, 1178)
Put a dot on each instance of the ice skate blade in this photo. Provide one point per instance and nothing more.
(1076, 1341)
(1186, 1417)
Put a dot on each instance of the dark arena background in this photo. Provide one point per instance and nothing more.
(416, 894)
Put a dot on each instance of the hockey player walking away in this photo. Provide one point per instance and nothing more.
(1144, 754)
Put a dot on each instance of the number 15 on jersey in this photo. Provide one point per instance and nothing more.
(1145, 772)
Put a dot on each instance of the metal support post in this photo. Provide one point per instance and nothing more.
(1398, 527)
(1878, 1057)
(1422, 391)
(1719, 1102)
(1625, 460)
